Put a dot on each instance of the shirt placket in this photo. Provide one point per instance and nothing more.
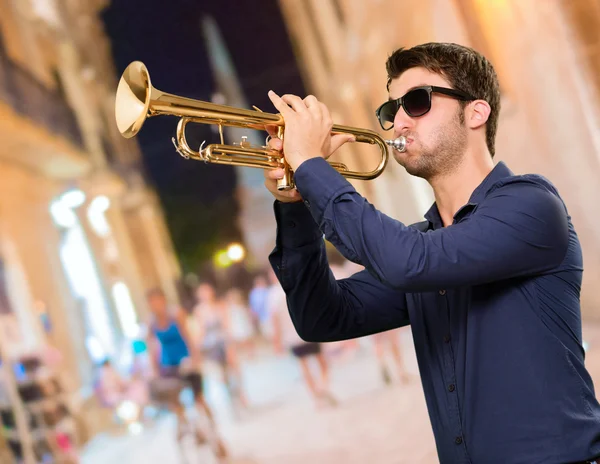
(445, 297)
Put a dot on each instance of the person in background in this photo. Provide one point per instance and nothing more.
(110, 387)
(388, 341)
(171, 351)
(213, 335)
(240, 319)
(342, 269)
(285, 338)
(383, 341)
(257, 299)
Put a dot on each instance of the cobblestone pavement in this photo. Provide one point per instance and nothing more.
(373, 423)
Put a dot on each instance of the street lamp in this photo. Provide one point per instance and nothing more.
(236, 252)
(222, 259)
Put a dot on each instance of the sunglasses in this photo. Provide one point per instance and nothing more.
(416, 102)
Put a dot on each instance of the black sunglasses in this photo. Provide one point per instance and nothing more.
(416, 102)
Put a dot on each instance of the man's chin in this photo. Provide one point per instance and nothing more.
(402, 158)
(412, 166)
(415, 171)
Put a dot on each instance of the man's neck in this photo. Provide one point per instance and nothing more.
(453, 190)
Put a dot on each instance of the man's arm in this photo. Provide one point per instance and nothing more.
(323, 309)
(520, 229)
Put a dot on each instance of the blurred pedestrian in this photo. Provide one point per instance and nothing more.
(213, 334)
(286, 338)
(172, 352)
(240, 321)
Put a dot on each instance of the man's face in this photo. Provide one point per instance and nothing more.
(438, 139)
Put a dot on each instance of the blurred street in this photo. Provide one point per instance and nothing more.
(372, 423)
(284, 426)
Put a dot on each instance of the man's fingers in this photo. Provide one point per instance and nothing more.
(338, 140)
(278, 103)
(294, 194)
(311, 101)
(272, 130)
(275, 144)
(273, 174)
(271, 177)
(325, 113)
(295, 102)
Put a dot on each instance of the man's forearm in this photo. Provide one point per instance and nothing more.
(322, 308)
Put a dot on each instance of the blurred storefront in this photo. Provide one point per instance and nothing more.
(82, 237)
(546, 54)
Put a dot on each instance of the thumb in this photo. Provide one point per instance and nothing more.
(338, 140)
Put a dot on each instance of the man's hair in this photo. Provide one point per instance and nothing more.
(464, 68)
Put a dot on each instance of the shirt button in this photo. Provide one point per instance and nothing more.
(292, 224)
(458, 440)
(442, 292)
(446, 338)
(451, 387)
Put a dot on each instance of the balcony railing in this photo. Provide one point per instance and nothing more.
(30, 98)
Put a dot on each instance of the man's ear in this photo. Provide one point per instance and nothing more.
(478, 113)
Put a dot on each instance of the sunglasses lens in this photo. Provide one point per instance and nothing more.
(417, 102)
(387, 113)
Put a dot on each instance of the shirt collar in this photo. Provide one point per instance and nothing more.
(499, 172)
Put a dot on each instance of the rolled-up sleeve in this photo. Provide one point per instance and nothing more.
(321, 307)
(520, 228)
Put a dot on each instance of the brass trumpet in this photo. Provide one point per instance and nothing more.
(137, 99)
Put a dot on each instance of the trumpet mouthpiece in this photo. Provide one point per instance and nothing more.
(398, 144)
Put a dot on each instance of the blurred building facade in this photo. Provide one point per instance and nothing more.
(547, 56)
(82, 237)
(255, 216)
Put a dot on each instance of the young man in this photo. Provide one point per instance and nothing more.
(489, 282)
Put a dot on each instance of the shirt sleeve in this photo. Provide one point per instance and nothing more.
(521, 228)
(321, 307)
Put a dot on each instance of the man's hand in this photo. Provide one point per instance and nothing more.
(272, 175)
(308, 126)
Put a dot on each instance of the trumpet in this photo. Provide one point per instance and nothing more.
(136, 100)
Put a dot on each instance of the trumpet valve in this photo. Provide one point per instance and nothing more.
(244, 143)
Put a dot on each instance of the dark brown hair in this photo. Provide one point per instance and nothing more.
(464, 68)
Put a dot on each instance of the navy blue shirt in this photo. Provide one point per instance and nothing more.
(492, 300)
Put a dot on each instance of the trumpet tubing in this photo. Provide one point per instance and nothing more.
(137, 100)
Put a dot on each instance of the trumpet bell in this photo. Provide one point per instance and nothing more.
(133, 99)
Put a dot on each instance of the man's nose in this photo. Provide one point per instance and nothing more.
(402, 122)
